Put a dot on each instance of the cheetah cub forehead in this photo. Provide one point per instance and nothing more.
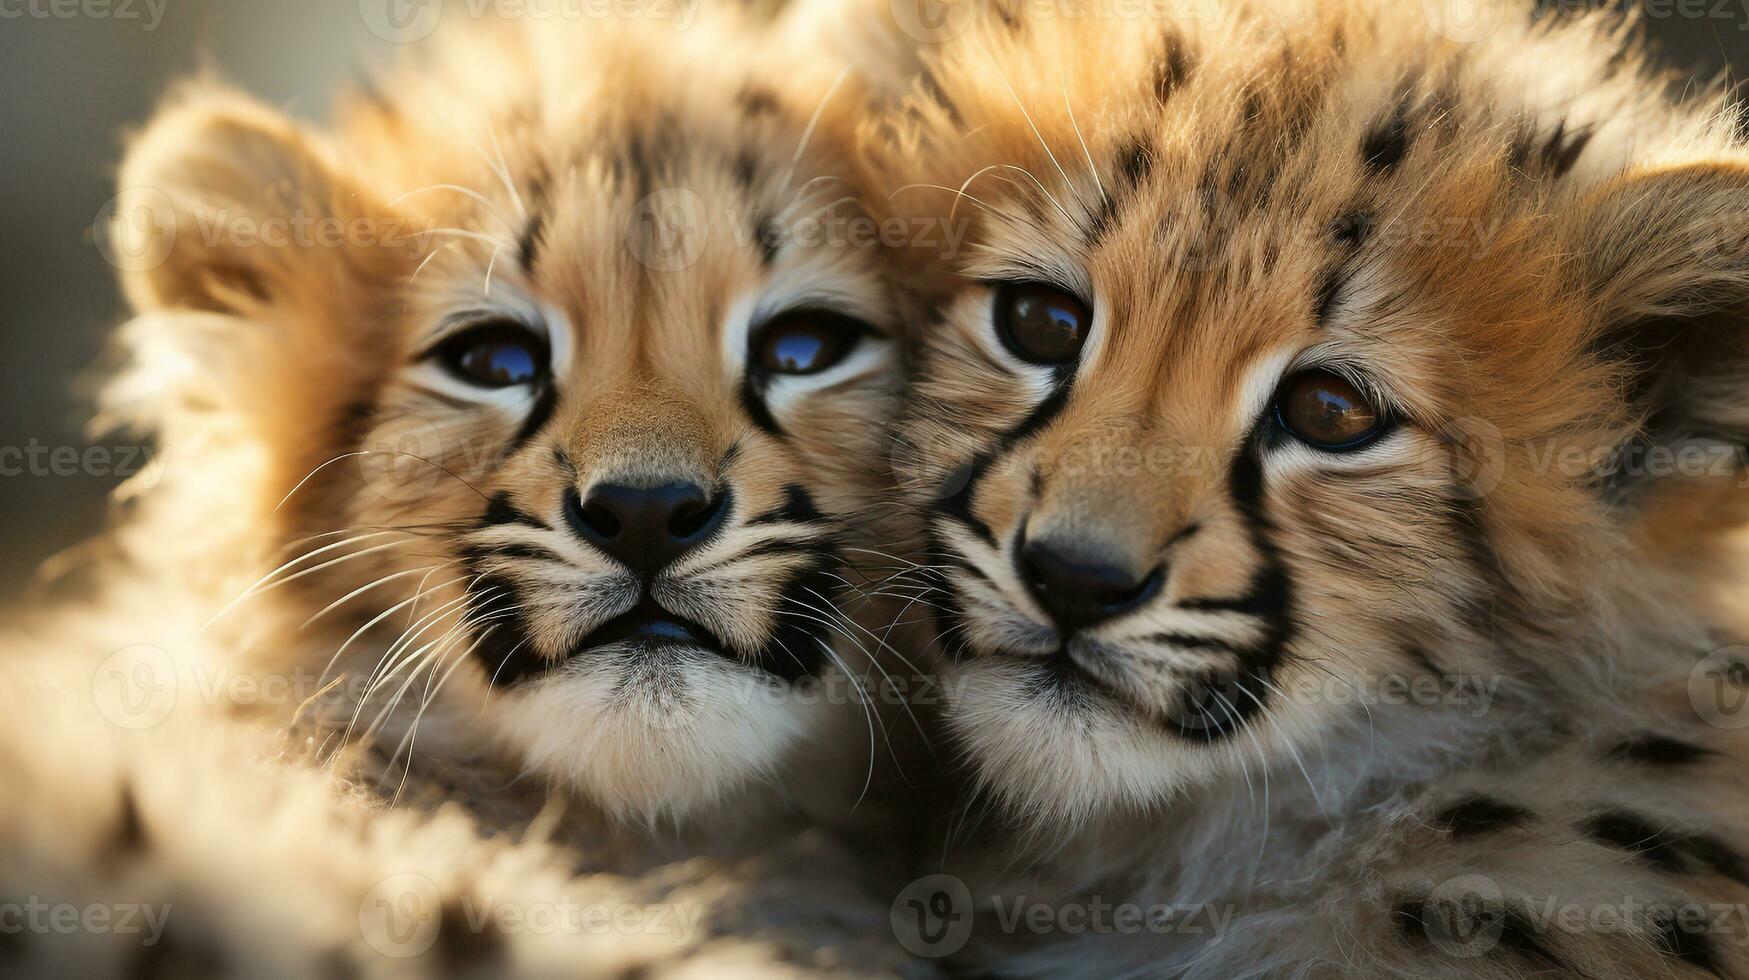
(1300, 354)
(560, 404)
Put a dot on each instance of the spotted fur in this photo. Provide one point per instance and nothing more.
(1525, 246)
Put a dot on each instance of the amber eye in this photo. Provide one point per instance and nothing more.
(805, 342)
(494, 355)
(1326, 411)
(1042, 324)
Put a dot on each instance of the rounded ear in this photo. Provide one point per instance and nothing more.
(226, 205)
(1664, 254)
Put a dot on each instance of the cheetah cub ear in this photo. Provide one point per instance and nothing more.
(229, 207)
(1665, 256)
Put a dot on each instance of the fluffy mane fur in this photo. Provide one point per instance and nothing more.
(326, 695)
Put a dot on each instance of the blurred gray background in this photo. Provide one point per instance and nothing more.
(77, 73)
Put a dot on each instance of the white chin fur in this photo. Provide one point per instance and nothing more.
(1055, 764)
(653, 735)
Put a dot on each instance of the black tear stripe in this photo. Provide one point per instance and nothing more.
(962, 484)
(797, 647)
(1244, 692)
(955, 504)
(1670, 851)
(500, 511)
(1479, 815)
(545, 400)
(520, 551)
(1658, 751)
(753, 385)
(798, 507)
(502, 641)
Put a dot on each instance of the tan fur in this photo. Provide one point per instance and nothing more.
(332, 525)
(1553, 267)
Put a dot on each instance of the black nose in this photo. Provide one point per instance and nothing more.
(1079, 589)
(646, 528)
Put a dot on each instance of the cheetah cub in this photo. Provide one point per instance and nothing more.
(1331, 442)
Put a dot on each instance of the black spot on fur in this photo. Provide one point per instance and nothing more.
(1385, 145)
(1562, 150)
(746, 168)
(757, 100)
(1103, 220)
(1520, 935)
(1135, 163)
(1329, 290)
(1351, 230)
(1667, 850)
(1173, 69)
(1652, 749)
(1465, 923)
(528, 246)
(1684, 941)
(1478, 815)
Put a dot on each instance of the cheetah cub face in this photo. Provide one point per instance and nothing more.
(564, 425)
(1301, 356)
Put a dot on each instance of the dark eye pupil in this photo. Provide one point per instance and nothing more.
(493, 357)
(797, 352)
(805, 343)
(1327, 411)
(1043, 324)
(499, 363)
